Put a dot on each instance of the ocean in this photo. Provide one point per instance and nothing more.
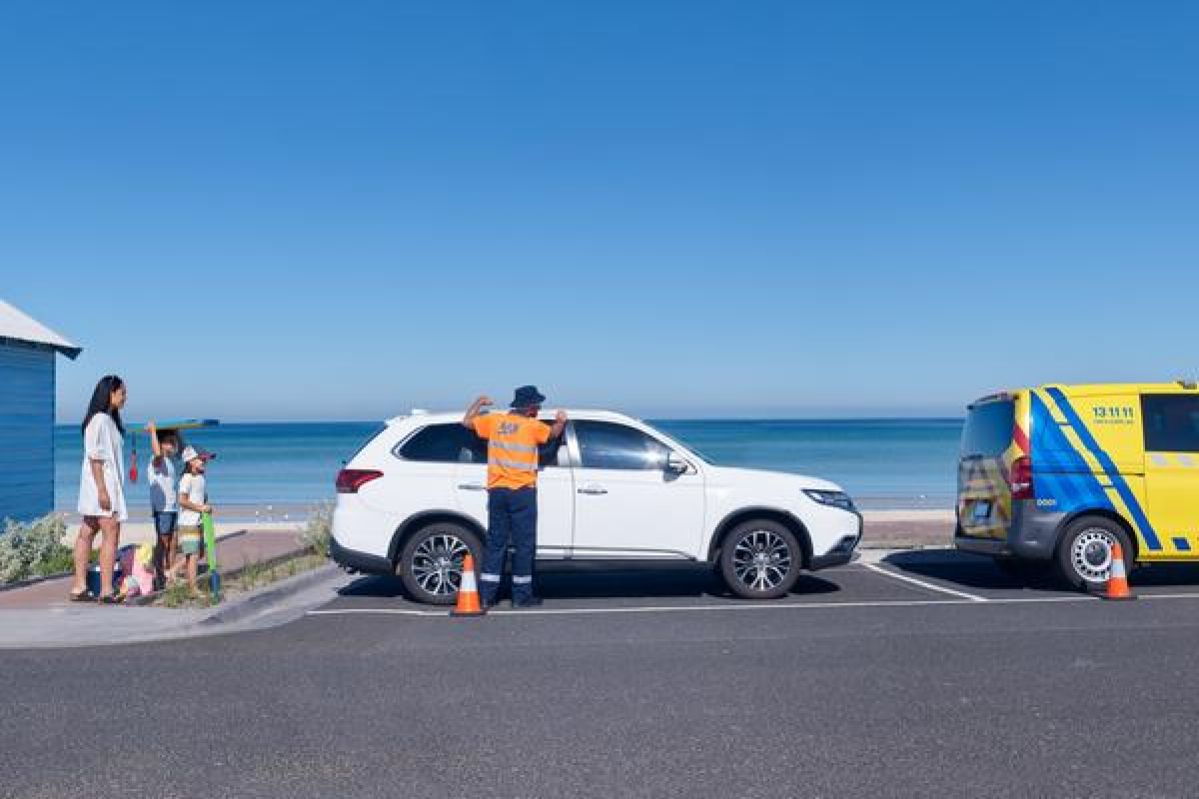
(279, 470)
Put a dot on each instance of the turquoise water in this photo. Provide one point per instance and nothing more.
(888, 463)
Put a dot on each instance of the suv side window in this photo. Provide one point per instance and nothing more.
(1171, 422)
(552, 453)
(607, 445)
(444, 443)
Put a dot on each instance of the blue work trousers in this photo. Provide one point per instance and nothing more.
(511, 517)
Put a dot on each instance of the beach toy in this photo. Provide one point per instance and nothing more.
(139, 571)
(214, 576)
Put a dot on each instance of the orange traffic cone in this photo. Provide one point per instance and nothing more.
(468, 591)
(1117, 580)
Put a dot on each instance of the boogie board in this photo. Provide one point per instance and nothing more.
(214, 576)
(174, 424)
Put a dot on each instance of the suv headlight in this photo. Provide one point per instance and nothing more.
(837, 499)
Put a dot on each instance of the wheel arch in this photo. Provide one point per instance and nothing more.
(419, 521)
(1103, 513)
(741, 515)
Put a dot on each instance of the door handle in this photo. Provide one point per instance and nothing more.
(472, 487)
(593, 490)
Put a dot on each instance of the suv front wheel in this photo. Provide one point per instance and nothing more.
(760, 559)
(430, 564)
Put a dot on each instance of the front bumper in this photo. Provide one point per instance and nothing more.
(1032, 535)
(843, 552)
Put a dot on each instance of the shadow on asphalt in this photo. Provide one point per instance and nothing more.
(592, 581)
(967, 571)
(979, 572)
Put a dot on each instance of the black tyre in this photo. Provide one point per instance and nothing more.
(760, 560)
(430, 564)
(1084, 555)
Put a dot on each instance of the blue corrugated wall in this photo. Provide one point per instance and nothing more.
(26, 431)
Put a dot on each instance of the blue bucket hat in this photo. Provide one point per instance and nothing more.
(527, 396)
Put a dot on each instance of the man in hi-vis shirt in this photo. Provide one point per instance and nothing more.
(513, 439)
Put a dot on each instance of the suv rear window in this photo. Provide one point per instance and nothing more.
(988, 430)
(444, 443)
(453, 443)
(1171, 423)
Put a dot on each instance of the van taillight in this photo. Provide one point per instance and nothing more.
(350, 480)
(1020, 478)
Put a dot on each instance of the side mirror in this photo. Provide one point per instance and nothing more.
(675, 464)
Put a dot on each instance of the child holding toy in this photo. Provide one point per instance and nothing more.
(193, 503)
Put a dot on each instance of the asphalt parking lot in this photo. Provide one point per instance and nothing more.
(904, 578)
(924, 674)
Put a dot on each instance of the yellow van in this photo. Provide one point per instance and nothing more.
(1057, 475)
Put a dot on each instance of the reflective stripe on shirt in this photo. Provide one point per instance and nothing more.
(510, 447)
(524, 467)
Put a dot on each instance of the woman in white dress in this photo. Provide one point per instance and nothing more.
(101, 487)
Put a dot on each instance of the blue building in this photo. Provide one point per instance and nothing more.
(27, 352)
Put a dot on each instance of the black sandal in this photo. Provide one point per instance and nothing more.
(110, 599)
(82, 596)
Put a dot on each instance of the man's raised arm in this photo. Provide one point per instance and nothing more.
(475, 408)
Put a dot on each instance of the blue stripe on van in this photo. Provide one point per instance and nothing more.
(1181, 544)
(1059, 470)
(1109, 467)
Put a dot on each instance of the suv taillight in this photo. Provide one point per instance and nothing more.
(1020, 478)
(350, 480)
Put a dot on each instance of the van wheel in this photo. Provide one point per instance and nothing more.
(430, 564)
(760, 560)
(1084, 555)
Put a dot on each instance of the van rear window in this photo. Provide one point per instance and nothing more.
(988, 430)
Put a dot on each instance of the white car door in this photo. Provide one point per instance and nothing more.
(626, 502)
(555, 493)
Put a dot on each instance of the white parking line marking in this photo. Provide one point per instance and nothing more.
(967, 600)
(897, 603)
(874, 567)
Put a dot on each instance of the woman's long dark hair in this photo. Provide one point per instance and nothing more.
(102, 401)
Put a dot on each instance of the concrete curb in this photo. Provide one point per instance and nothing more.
(257, 602)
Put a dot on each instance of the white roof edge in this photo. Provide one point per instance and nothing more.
(582, 413)
(19, 326)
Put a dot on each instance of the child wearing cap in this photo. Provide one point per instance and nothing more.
(193, 502)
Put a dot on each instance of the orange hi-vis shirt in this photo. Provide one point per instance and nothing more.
(512, 443)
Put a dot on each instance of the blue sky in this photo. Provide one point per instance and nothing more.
(334, 210)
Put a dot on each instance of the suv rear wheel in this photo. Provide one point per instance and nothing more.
(760, 559)
(430, 564)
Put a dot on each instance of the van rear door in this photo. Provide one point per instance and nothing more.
(984, 496)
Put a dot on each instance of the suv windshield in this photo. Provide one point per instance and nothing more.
(988, 430)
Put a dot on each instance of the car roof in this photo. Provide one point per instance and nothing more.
(441, 417)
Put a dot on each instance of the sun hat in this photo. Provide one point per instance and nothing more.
(190, 453)
(527, 396)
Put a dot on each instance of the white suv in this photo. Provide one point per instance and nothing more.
(413, 499)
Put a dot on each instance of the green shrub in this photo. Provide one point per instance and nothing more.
(33, 549)
(319, 530)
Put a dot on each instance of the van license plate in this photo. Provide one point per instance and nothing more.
(982, 511)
